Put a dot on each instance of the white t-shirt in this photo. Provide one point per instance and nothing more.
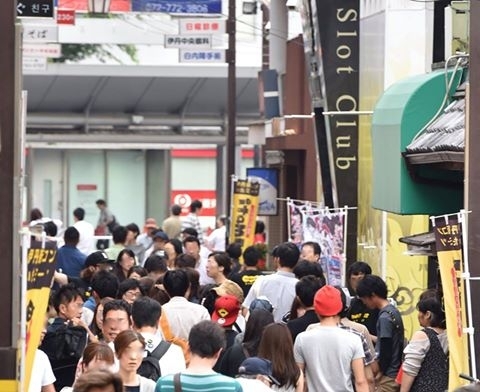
(86, 244)
(173, 361)
(216, 239)
(42, 373)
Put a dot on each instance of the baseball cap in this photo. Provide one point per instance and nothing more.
(261, 302)
(253, 366)
(226, 310)
(229, 287)
(160, 235)
(151, 223)
(95, 258)
(328, 301)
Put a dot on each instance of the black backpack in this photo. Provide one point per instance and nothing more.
(66, 343)
(150, 368)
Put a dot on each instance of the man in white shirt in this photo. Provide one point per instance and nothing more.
(86, 244)
(217, 238)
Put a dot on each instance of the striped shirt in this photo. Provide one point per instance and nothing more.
(213, 382)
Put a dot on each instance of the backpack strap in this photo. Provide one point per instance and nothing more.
(160, 350)
(176, 382)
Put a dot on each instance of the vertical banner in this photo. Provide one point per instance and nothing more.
(448, 239)
(268, 181)
(244, 212)
(40, 268)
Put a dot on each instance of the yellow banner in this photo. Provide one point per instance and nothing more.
(244, 212)
(448, 238)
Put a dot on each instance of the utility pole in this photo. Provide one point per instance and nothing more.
(232, 94)
(8, 109)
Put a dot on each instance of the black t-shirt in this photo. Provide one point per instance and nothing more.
(246, 279)
(300, 324)
(360, 313)
(132, 389)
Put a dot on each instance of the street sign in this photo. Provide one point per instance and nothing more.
(178, 6)
(202, 26)
(40, 33)
(35, 8)
(43, 50)
(34, 64)
(202, 56)
(66, 17)
(188, 42)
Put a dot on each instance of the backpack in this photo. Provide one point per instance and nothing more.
(150, 368)
(169, 337)
(65, 344)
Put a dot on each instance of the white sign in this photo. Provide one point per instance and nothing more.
(202, 56)
(40, 33)
(43, 50)
(202, 26)
(34, 64)
(188, 41)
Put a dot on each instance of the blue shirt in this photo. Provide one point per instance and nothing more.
(70, 260)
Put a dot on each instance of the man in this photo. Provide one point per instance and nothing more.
(279, 287)
(206, 341)
(173, 224)
(311, 251)
(156, 266)
(116, 318)
(160, 239)
(119, 236)
(145, 316)
(193, 248)
(372, 290)
(328, 355)
(191, 220)
(217, 238)
(255, 374)
(181, 314)
(106, 220)
(98, 381)
(146, 238)
(69, 260)
(86, 243)
(246, 278)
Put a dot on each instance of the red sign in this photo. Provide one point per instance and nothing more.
(185, 198)
(65, 16)
(82, 5)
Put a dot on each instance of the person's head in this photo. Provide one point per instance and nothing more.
(35, 214)
(206, 339)
(176, 210)
(104, 284)
(356, 272)
(156, 266)
(150, 226)
(176, 283)
(98, 381)
(132, 232)
(71, 236)
(234, 250)
(160, 238)
(430, 313)
(258, 369)
(98, 260)
(221, 221)
(306, 288)
(251, 255)
(101, 203)
(189, 231)
(229, 287)
(116, 318)
(346, 300)
(192, 247)
(196, 207)
(256, 322)
(126, 260)
(129, 290)
(173, 248)
(288, 255)
(185, 261)
(219, 265)
(194, 279)
(137, 272)
(119, 235)
(50, 228)
(68, 302)
(259, 227)
(310, 251)
(372, 290)
(226, 310)
(97, 323)
(328, 302)
(145, 312)
(129, 349)
(79, 214)
(305, 268)
(97, 356)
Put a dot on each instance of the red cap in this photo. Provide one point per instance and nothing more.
(226, 310)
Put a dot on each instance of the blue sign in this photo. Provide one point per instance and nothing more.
(178, 6)
(268, 179)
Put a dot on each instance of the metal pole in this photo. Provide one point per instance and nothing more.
(232, 112)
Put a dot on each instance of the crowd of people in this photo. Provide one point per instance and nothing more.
(169, 309)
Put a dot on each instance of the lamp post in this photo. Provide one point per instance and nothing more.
(99, 6)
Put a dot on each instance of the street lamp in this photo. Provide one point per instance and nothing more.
(99, 6)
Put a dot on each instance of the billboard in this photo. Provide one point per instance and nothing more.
(178, 6)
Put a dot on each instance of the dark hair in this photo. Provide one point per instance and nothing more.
(288, 255)
(124, 339)
(50, 228)
(98, 379)
(98, 350)
(65, 295)
(251, 255)
(358, 266)
(101, 202)
(133, 227)
(127, 251)
(190, 231)
(276, 345)
(305, 268)
(117, 304)
(434, 306)
(234, 250)
(156, 263)
(222, 219)
(195, 205)
(307, 287)
(176, 283)
(35, 214)
(206, 338)
(71, 236)
(177, 245)
(176, 209)
(146, 312)
(105, 284)
(79, 213)
(95, 328)
(372, 285)
(119, 234)
(128, 284)
(223, 260)
(194, 279)
(257, 321)
(185, 261)
(137, 270)
(259, 227)
(191, 238)
(315, 246)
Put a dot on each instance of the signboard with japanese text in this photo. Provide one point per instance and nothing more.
(40, 33)
(35, 8)
(188, 42)
(449, 242)
(244, 210)
(268, 180)
(202, 26)
(82, 5)
(66, 17)
(34, 63)
(202, 56)
(43, 50)
(178, 6)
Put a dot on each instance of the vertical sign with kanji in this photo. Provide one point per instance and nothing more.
(448, 239)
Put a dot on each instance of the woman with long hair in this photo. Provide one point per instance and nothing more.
(276, 345)
(125, 261)
(130, 349)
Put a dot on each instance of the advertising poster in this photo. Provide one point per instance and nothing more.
(268, 180)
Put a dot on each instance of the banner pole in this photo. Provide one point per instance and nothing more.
(23, 310)
(345, 231)
(289, 219)
(233, 178)
(384, 245)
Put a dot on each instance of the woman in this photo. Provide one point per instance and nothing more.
(125, 261)
(173, 248)
(219, 266)
(425, 367)
(130, 349)
(129, 290)
(137, 272)
(276, 345)
(97, 322)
